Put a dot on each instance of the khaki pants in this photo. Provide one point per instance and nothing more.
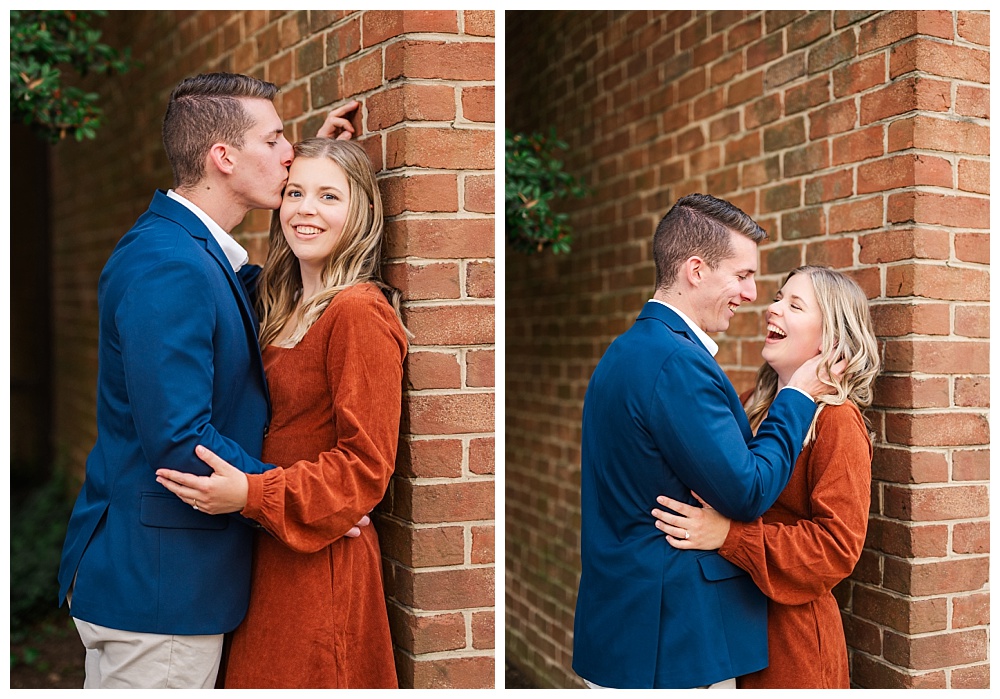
(130, 659)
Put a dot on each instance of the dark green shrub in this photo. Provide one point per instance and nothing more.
(535, 181)
(38, 522)
(43, 45)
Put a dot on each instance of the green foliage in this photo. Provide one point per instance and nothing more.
(37, 529)
(535, 181)
(29, 656)
(45, 43)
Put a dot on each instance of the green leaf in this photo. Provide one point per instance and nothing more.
(45, 46)
(30, 655)
(535, 182)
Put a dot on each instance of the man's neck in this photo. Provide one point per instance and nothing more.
(680, 301)
(215, 204)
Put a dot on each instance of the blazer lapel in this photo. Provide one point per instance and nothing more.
(180, 214)
(668, 317)
(247, 311)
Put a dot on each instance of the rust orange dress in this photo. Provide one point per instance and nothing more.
(317, 615)
(806, 543)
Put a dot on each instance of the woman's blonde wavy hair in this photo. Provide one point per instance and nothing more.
(847, 334)
(356, 256)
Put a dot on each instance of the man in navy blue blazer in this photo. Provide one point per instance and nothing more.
(152, 582)
(660, 416)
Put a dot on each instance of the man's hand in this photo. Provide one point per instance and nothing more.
(812, 377)
(355, 531)
(337, 126)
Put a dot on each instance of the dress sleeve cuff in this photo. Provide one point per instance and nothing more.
(255, 495)
(739, 533)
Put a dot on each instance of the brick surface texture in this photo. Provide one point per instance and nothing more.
(426, 83)
(858, 140)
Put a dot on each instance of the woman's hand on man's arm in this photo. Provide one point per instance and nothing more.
(223, 492)
(701, 528)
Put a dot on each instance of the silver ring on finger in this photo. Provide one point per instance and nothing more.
(687, 534)
(195, 506)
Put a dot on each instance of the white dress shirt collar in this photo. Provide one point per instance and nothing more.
(235, 253)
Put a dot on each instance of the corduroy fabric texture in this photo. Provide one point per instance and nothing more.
(806, 543)
(317, 616)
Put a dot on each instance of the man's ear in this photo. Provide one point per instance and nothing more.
(221, 157)
(694, 270)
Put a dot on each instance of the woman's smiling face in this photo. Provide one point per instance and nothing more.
(314, 208)
(794, 327)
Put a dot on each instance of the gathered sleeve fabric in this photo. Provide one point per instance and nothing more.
(812, 537)
(315, 499)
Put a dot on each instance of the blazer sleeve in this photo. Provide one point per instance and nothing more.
(797, 563)
(692, 410)
(311, 504)
(166, 325)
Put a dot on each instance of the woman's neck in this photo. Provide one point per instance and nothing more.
(312, 281)
(311, 285)
(782, 379)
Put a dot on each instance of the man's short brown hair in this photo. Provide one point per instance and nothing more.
(204, 110)
(698, 225)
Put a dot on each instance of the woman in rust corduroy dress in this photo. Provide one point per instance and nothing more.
(806, 543)
(317, 615)
(333, 349)
(812, 536)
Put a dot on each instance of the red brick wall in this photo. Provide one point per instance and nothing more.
(426, 83)
(859, 140)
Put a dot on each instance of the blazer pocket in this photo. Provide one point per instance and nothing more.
(170, 512)
(715, 567)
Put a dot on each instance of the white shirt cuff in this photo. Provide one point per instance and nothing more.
(795, 388)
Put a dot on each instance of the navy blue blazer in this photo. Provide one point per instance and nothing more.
(661, 417)
(179, 365)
